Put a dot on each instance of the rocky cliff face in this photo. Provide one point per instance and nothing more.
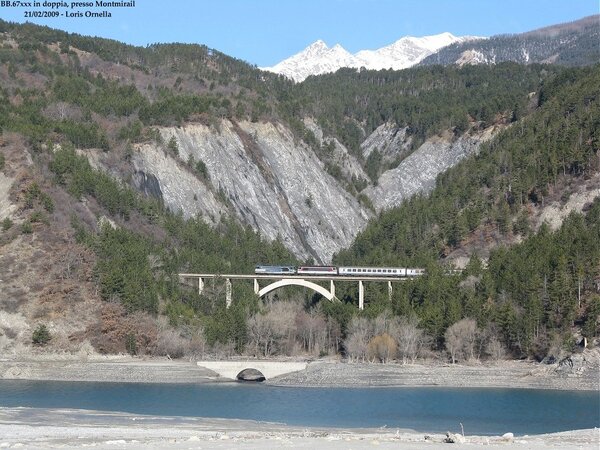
(389, 140)
(160, 175)
(260, 174)
(263, 175)
(417, 173)
(347, 163)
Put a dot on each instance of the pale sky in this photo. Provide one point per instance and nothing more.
(263, 32)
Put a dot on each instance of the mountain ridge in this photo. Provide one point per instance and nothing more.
(569, 44)
(318, 58)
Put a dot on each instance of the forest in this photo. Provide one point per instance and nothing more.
(531, 299)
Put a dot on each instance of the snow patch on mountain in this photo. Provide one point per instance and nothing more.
(473, 57)
(318, 58)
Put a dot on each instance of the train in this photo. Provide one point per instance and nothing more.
(345, 271)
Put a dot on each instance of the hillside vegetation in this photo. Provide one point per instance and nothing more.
(532, 292)
(109, 256)
(568, 44)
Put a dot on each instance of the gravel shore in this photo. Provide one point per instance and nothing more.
(507, 374)
(109, 369)
(34, 428)
(37, 428)
(582, 372)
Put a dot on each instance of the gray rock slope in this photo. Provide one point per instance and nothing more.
(261, 173)
(391, 142)
(417, 173)
(263, 176)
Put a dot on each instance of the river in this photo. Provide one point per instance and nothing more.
(431, 409)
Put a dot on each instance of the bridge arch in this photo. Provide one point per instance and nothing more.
(297, 282)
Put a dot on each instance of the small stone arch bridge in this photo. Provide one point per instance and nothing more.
(270, 369)
(291, 280)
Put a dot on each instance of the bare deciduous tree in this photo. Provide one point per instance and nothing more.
(495, 349)
(412, 341)
(382, 348)
(461, 339)
(261, 334)
(357, 340)
(311, 331)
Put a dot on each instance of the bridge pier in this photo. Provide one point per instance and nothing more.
(287, 280)
(361, 295)
(228, 292)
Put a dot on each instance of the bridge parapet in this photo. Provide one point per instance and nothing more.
(270, 369)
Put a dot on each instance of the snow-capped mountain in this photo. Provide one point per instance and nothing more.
(318, 58)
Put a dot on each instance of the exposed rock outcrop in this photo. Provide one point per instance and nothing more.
(276, 184)
(271, 181)
(347, 162)
(6, 207)
(417, 173)
(179, 188)
(389, 140)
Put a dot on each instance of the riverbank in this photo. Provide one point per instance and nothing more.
(38, 428)
(581, 372)
(45, 428)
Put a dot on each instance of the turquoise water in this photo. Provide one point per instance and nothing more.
(432, 409)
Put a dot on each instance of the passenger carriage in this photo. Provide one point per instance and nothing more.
(373, 271)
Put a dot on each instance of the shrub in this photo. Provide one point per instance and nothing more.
(116, 331)
(382, 348)
(171, 344)
(26, 228)
(7, 224)
(41, 335)
(131, 344)
(38, 217)
(47, 202)
(172, 146)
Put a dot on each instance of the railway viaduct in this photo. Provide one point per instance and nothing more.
(277, 281)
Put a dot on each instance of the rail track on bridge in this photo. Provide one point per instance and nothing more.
(304, 280)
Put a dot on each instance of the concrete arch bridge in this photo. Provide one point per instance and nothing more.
(279, 281)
